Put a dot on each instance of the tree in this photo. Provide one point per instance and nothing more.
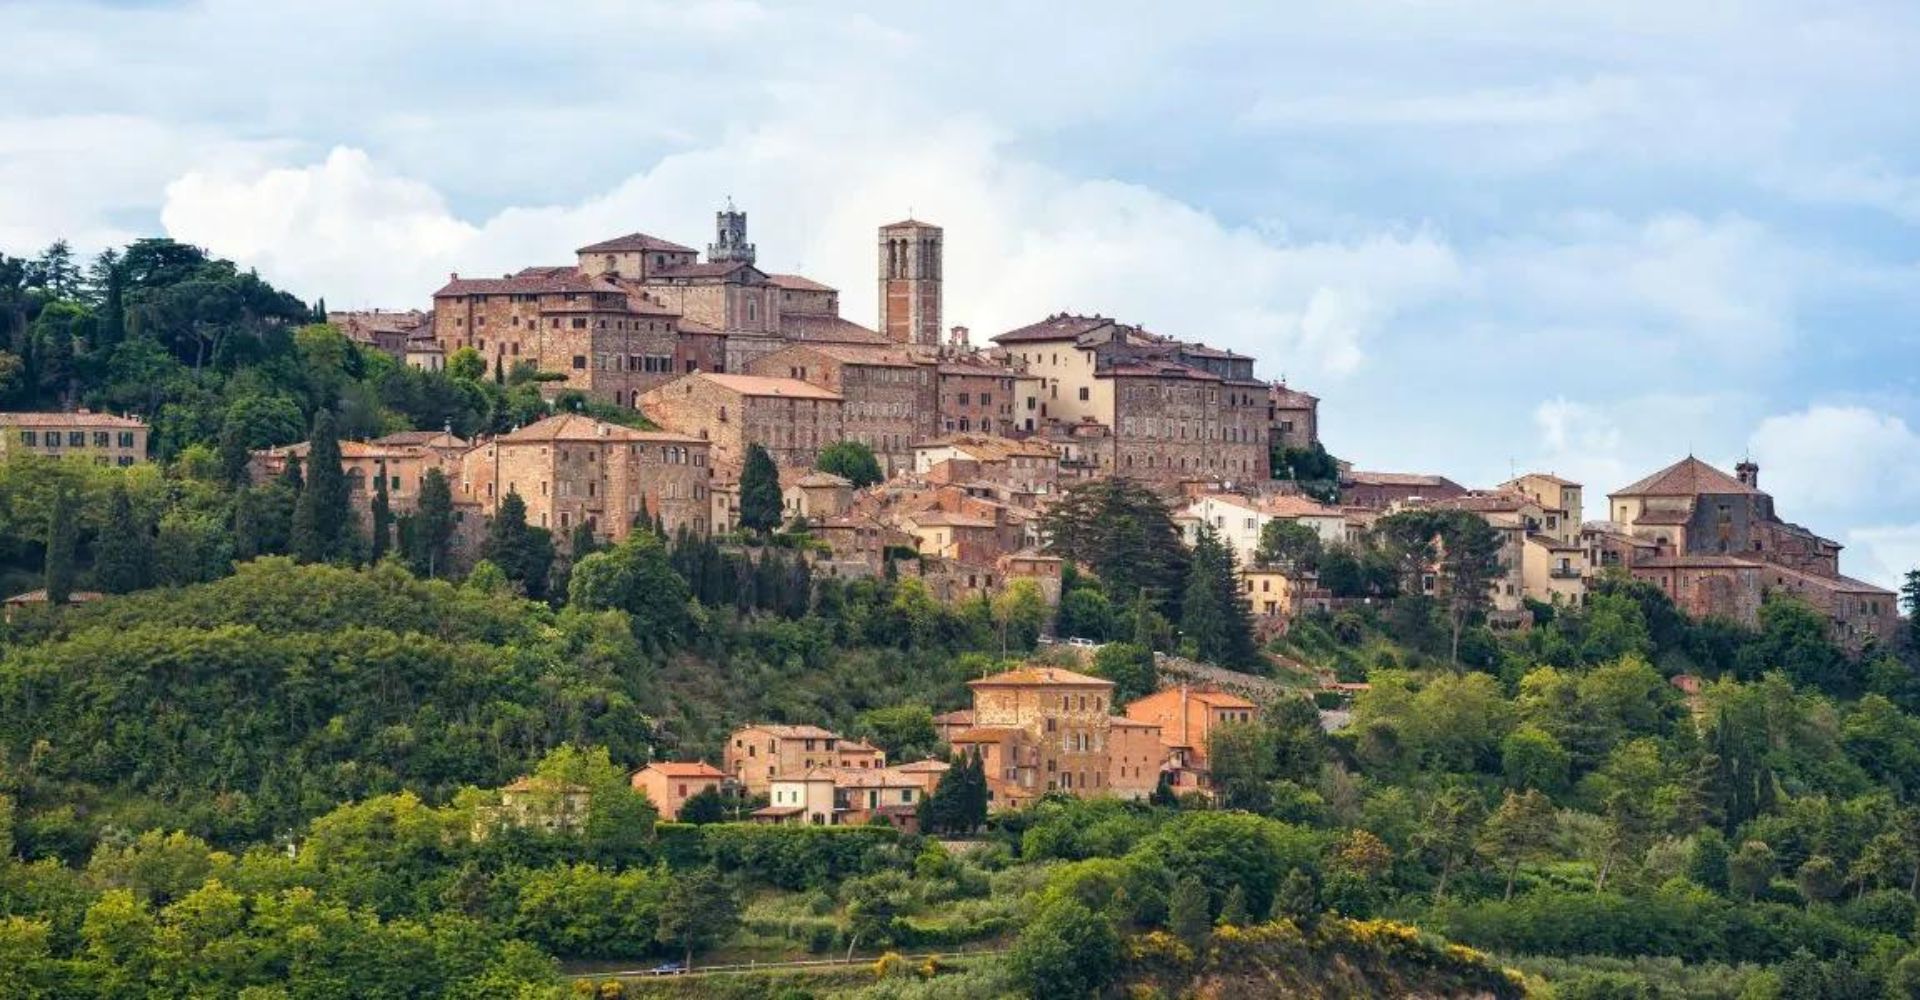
(1449, 833)
(466, 365)
(1461, 550)
(1288, 544)
(1910, 596)
(1189, 914)
(958, 803)
(1066, 950)
(852, 461)
(1240, 756)
(1124, 531)
(382, 516)
(322, 517)
(1020, 612)
(1820, 880)
(760, 503)
(1130, 667)
(123, 556)
(1233, 912)
(234, 452)
(523, 553)
(432, 526)
(704, 806)
(633, 576)
(1750, 869)
(699, 912)
(1214, 619)
(1520, 829)
(905, 732)
(58, 562)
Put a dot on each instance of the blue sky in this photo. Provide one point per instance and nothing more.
(1582, 237)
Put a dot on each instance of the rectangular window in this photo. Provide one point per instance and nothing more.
(100, 439)
(579, 362)
(30, 438)
(77, 439)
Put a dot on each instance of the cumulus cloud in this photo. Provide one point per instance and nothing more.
(1024, 240)
(1847, 459)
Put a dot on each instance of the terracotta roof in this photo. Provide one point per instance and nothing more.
(1700, 560)
(799, 283)
(946, 519)
(794, 732)
(426, 439)
(1398, 479)
(910, 224)
(1156, 368)
(1041, 677)
(778, 811)
(766, 385)
(531, 281)
(1554, 544)
(635, 241)
(1685, 478)
(1056, 327)
(1547, 477)
(817, 479)
(1280, 395)
(74, 418)
(923, 767)
(685, 769)
(829, 329)
(990, 448)
(578, 427)
(1219, 699)
(984, 734)
(40, 597)
(1122, 722)
(711, 270)
(876, 355)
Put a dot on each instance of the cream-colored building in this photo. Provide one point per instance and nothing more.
(757, 755)
(101, 437)
(1559, 502)
(1240, 520)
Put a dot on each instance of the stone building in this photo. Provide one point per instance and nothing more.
(101, 437)
(571, 469)
(1381, 490)
(403, 459)
(1187, 718)
(669, 784)
(1028, 465)
(792, 419)
(1240, 521)
(910, 279)
(1293, 417)
(888, 400)
(384, 330)
(758, 754)
(1041, 729)
(975, 394)
(1720, 547)
(1174, 410)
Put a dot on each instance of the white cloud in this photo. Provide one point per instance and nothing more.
(1838, 459)
(1023, 240)
(1883, 554)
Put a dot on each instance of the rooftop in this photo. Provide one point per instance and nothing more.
(799, 283)
(1060, 326)
(635, 242)
(829, 329)
(767, 385)
(793, 732)
(1041, 677)
(577, 427)
(72, 418)
(685, 769)
(1685, 478)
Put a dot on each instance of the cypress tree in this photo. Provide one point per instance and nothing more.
(432, 526)
(125, 552)
(642, 521)
(59, 551)
(233, 453)
(382, 516)
(759, 491)
(524, 554)
(290, 476)
(582, 542)
(322, 517)
(1187, 910)
(247, 541)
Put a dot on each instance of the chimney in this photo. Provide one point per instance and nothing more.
(1748, 473)
(959, 337)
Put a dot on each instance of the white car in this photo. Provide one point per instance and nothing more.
(1083, 643)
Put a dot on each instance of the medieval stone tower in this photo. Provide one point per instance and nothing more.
(729, 237)
(910, 282)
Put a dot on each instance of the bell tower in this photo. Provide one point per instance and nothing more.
(729, 237)
(910, 282)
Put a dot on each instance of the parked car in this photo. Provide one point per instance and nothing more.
(667, 969)
(1083, 643)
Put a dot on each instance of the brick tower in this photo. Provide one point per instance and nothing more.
(730, 237)
(910, 282)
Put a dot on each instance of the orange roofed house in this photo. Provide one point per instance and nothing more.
(756, 755)
(792, 419)
(669, 784)
(1044, 729)
(1187, 717)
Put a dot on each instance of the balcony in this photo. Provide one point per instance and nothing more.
(1564, 573)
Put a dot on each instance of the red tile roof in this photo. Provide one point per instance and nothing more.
(1685, 478)
(766, 385)
(1057, 327)
(799, 283)
(1041, 677)
(829, 329)
(75, 418)
(576, 427)
(685, 769)
(635, 241)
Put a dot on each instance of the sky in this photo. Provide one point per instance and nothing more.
(1493, 236)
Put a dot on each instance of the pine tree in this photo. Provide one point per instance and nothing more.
(382, 517)
(1215, 620)
(759, 491)
(523, 553)
(1910, 595)
(1233, 913)
(322, 517)
(1187, 910)
(431, 526)
(124, 555)
(233, 452)
(247, 530)
(59, 550)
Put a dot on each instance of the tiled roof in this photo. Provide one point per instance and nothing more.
(817, 479)
(1219, 699)
(1040, 677)
(799, 283)
(946, 519)
(910, 224)
(685, 769)
(1397, 479)
(766, 385)
(957, 717)
(1156, 368)
(1685, 478)
(829, 329)
(923, 767)
(76, 418)
(532, 281)
(984, 734)
(794, 732)
(40, 597)
(577, 427)
(1056, 327)
(720, 270)
(1699, 560)
(989, 448)
(862, 354)
(635, 241)
(1282, 396)
(1554, 544)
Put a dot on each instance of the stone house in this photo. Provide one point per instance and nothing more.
(792, 419)
(758, 754)
(1293, 417)
(103, 438)
(1239, 520)
(1187, 717)
(1381, 490)
(571, 469)
(669, 784)
(889, 400)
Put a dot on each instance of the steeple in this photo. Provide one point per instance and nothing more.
(910, 266)
(730, 237)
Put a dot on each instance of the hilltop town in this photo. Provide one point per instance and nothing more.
(646, 608)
